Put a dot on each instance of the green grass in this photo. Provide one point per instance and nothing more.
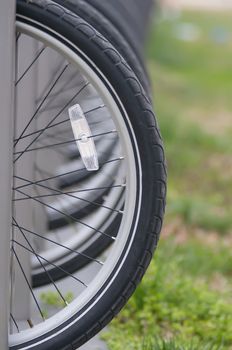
(185, 299)
(185, 296)
(54, 299)
(51, 302)
(158, 344)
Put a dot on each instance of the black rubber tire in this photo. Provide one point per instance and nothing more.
(104, 24)
(109, 300)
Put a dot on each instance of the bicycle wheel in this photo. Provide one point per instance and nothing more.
(104, 77)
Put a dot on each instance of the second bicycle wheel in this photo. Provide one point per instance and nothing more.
(85, 93)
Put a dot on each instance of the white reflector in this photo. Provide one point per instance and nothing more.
(84, 138)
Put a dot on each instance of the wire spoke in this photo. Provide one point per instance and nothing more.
(40, 262)
(26, 279)
(64, 142)
(38, 99)
(71, 192)
(71, 196)
(53, 136)
(42, 102)
(57, 124)
(60, 151)
(17, 37)
(15, 323)
(64, 174)
(61, 89)
(49, 262)
(51, 121)
(31, 64)
(68, 216)
(60, 245)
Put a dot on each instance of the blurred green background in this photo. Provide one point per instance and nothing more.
(185, 299)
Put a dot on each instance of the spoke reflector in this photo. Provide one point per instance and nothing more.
(83, 135)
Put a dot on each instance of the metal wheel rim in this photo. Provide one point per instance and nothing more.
(77, 305)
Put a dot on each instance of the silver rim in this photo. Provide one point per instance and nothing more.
(131, 196)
